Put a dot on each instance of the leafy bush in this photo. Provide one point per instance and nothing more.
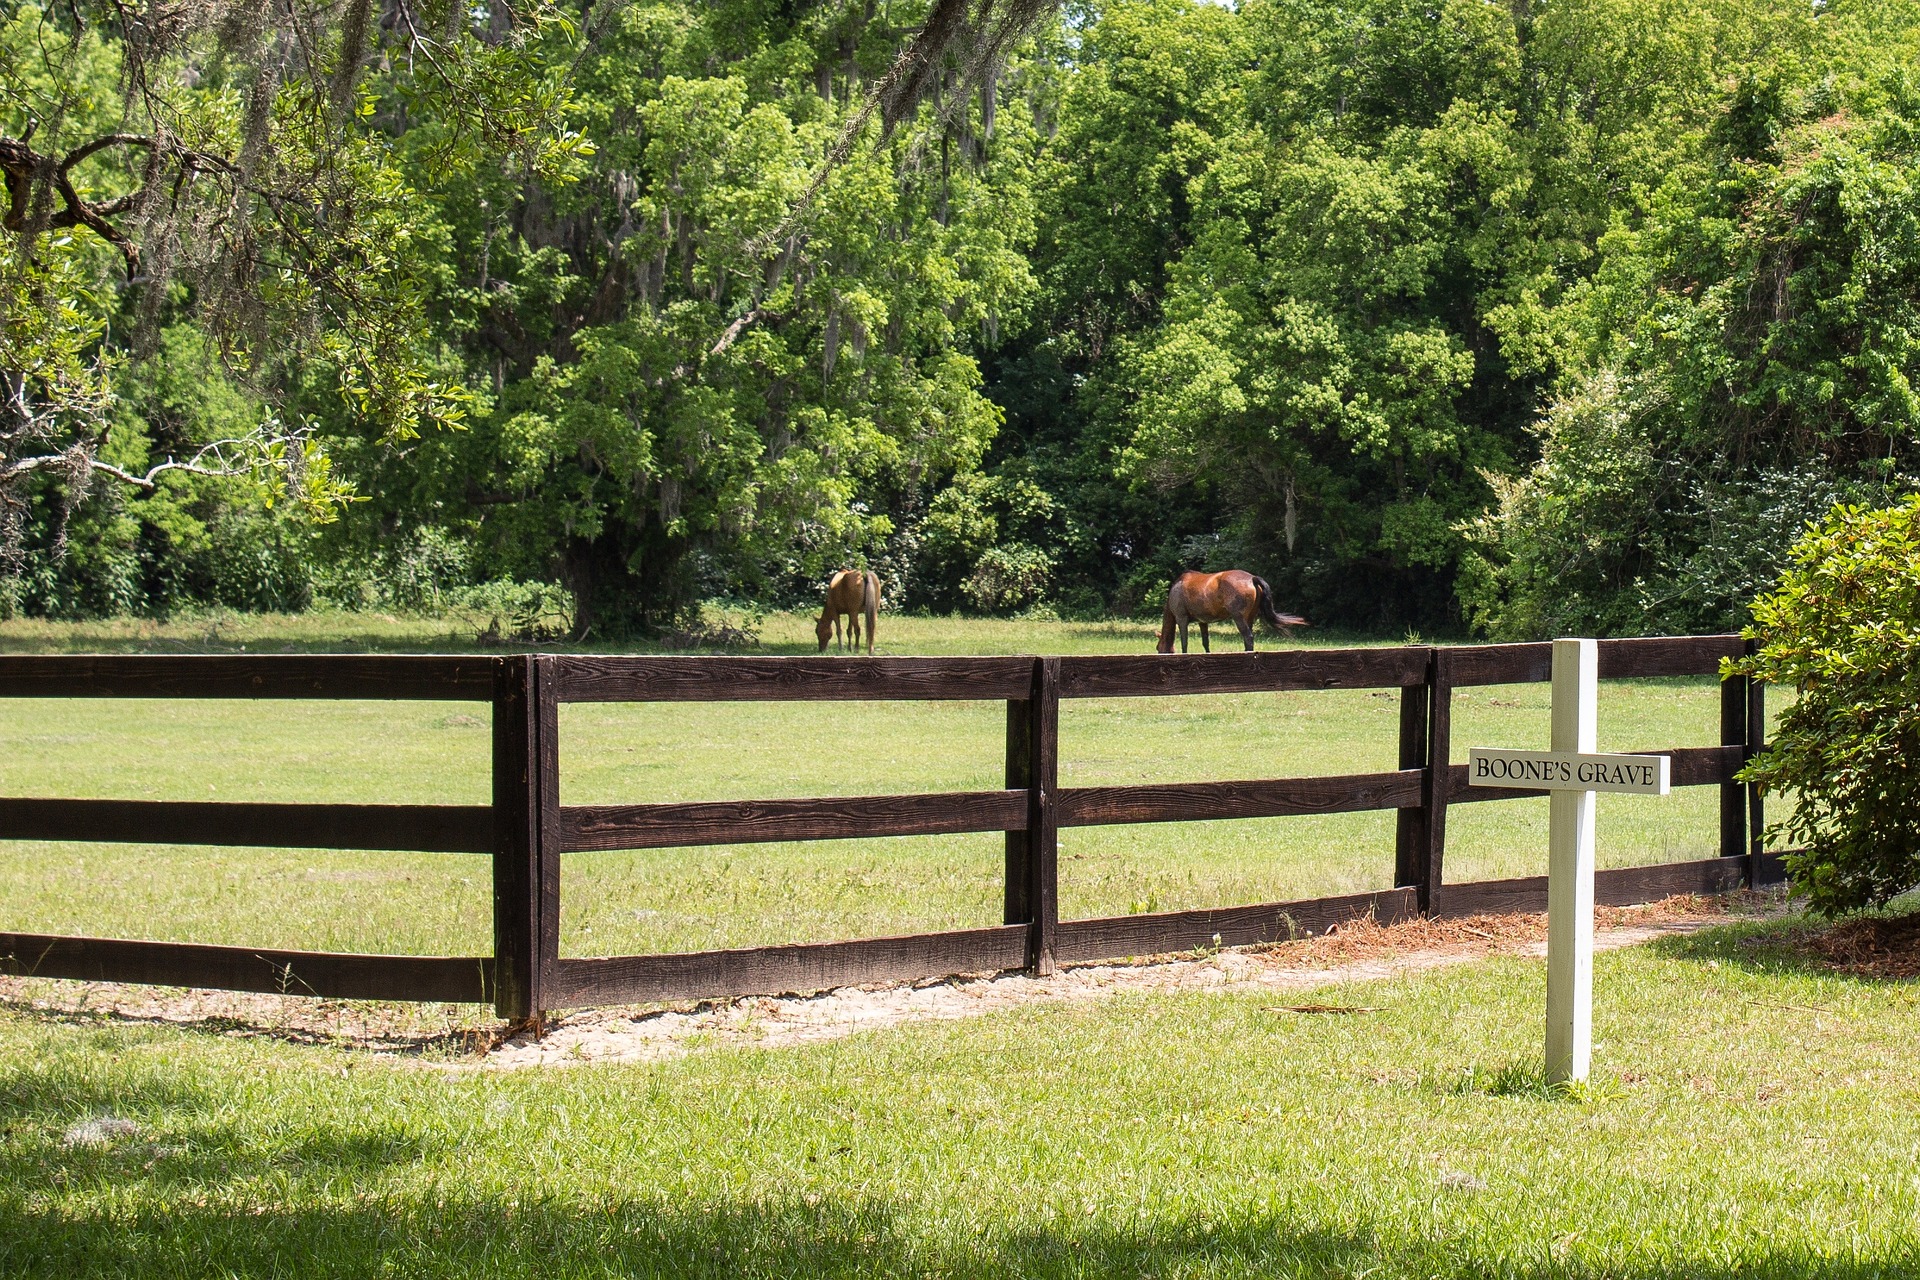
(423, 573)
(1008, 578)
(986, 543)
(1843, 628)
(504, 611)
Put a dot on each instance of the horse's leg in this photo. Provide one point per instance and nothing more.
(1246, 631)
(1183, 635)
(1206, 645)
(853, 631)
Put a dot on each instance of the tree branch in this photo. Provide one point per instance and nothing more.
(101, 143)
(221, 465)
(23, 166)
(739, 326)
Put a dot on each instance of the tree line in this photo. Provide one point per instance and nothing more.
(1522, 319)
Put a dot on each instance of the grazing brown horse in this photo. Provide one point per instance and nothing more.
(853, 593)
(1217, 597)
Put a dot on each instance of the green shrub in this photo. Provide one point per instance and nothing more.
(1008, 578)
(1843, 627)
(424, 572)
(505, 611)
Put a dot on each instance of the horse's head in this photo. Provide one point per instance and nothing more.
(1166, 641)
(823, 629)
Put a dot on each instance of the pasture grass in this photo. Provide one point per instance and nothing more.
(690, 899)
(1750, 1117)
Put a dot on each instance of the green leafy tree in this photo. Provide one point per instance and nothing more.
(680, 407)
(1746, 353)
(1843, 631)
(215, 165)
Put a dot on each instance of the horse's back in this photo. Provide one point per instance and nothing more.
(1212, 596)
(851, 590)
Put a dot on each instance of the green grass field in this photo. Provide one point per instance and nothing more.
(693, 899)
(1752, 1115)
(1748, 1118)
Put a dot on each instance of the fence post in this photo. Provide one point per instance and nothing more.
(1733, 804)
(1019, 778)
(526, 813)
(1755, 744)
(1433, 791)
(1410, 825)
(1043, 837)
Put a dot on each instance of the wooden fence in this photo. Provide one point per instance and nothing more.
(527, 830)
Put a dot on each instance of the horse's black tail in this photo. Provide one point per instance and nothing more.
(1280, 622)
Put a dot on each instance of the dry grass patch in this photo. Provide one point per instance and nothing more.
(1886, 947)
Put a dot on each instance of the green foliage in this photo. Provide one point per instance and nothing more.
(678, 412)
(983, 543)
(1843, 628)
(1755, 336)
(1532, 318)
(504, 611)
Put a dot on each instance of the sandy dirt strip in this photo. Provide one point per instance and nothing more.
(460, 1037)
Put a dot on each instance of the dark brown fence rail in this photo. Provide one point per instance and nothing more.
(527, 830)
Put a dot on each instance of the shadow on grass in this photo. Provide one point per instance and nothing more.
(202, 1188)
(836, 1237)
(1778, 948)
(448, 1043)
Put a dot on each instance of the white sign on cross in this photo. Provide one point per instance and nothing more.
(1571, 772)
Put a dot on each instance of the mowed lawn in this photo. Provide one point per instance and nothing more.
(750, 894)
(1748, 1118)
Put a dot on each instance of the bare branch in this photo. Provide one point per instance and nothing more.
(215, 459)
(23, 166)
(739, 327)
(101, 143)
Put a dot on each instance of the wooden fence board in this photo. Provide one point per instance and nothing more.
(306, 675)
(1478, 664)
(660, 826)
(1733, 798)
(1410, 824)
(1114, 937)
(1434, 794)
(1625, 886)
(424, 828)
(1017, 884)
(336, 976)
(1202, 801)
(526, 857)
(620, 679)
(1642, 656)
(1258, 672)
(801, 967)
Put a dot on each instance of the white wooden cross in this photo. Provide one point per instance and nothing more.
(1571, 772)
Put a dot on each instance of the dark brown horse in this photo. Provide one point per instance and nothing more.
(1234, 595)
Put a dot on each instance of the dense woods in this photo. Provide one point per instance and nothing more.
(1522, 318)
